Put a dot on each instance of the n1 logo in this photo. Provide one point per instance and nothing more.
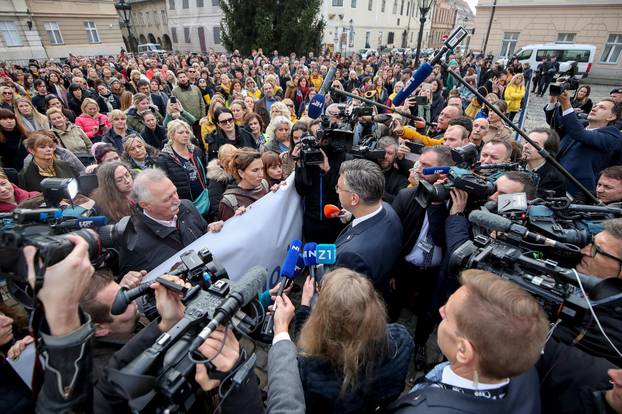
(326, 254)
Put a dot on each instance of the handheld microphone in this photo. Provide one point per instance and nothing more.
(244, 291)
(84, 223)
(288, 271)
(494, 222)
(435, 170)
(316, 106)
(309, 257)
(331, 211)
(417, 79)
(326, 254)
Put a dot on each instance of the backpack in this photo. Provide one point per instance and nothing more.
(232, 197)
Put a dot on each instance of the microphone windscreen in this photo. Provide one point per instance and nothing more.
(435, 170)
(251, 284)
(316, 106)
(417, 79)
(489, 221)
(309, 254)
(288, 268)
(331, 211)
(93, 221)
(328, 80)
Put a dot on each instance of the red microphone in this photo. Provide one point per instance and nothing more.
(331, 211)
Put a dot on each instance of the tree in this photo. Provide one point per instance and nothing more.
(284, 25)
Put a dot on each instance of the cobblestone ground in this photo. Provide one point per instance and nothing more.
(535, 113)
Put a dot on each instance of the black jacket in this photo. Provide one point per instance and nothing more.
(550, 179)
(394, 181)
(172, 166)
(148, 243)
(30, 179)
(219, 180)
(216, 139)
(156, 138)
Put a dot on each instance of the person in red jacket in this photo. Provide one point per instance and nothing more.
(11, 195)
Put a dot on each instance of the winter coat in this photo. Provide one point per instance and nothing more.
(172, 165)
(191, 99)
(115, 139)
(135, 120)
(73, 138)
(219, 180)
(513, 96)
(30, 179)
(243, 138)
(88, 124)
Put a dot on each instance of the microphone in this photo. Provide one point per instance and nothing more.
(494, 222)
(331, 211)
(244, 291)
(435, 170)
(417, 79)
(288, 271)
(83, 223)
(309, 257)
(316, 106)
(326, 254)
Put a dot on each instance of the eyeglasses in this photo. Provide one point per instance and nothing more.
(596, 249)
(338, 189)
(225, 121)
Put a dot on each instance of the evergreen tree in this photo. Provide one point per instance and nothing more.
(284, 25)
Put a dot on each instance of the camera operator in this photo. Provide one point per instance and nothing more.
(162, 226)
(550, 179)
(421, 252)
(394, 178)
(609, 186)
(584, 152)
(601, 258)
(491, 343)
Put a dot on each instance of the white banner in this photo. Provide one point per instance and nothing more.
(260, 236)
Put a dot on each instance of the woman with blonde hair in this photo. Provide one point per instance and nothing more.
(219, 178)
(279, 109)
(350, 359)
(138, 154)
(208, 123)
(126, 100)
(278, 134)
(94, 124)
(513, 95)
(29, 117)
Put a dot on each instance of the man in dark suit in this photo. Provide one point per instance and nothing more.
(550, 179)
(585, 151)
(421, 251)
(371, 243)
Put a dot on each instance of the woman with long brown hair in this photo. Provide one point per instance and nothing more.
(112, 196)
(350, 359)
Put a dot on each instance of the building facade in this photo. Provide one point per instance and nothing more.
(19, 38)
(87, 27)
(148, 24)
(194, 25)
(516, 23)
(352, 25)
(443, 19)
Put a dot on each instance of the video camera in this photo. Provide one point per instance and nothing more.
(563, 83)
(478, 187)
(556, 288)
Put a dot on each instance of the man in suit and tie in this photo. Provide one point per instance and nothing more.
(421, 252)
(371, 243)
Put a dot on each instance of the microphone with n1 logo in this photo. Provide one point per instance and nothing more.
(288, 271)
(316, 106)
(309, 257)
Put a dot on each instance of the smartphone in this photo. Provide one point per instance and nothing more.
(414, 147)
(173, 99)
(421, 100)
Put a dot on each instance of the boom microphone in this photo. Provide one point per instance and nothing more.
(494, 222)
(417, 79)
(242, 292)
(84, 223)
(316, 106)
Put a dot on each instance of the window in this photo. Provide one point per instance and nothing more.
(613, 47)
(216, 31)
(185, 4)
(337, 3)
(390, 37)
(171, 4)
(53, 31)
(91, 32)
(509, 43)
(199, 3)
(353, 4)
(408, 9)
(394, 6)
(398, 21)
(174, 34)
(544, 53)
(163, 16)
(402, 8)
(10, 34)
(524, 54)
(576, 55)
(216, 3)
(565, 38)
(147, 19)
(187, 34)
(383, 6)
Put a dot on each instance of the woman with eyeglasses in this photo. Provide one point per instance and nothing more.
(138, 154)
(251, 88)
(183, 162)
(113, 194)
(227, 132)
(292, 109)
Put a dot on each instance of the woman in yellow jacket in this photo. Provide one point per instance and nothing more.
(513, 94)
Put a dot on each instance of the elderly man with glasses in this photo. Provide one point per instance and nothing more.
(601, 258)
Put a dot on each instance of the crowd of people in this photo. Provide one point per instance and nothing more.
(184, 142)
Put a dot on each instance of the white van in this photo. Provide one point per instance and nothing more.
(151, 49)
(566, 53)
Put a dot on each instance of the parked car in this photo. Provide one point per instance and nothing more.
(365, 53)
(566, 54)
(151, 49)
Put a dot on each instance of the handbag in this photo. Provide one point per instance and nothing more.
(202, 203)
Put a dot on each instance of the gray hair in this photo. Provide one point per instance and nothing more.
(141, 190)
(364, 178)
(614, 227)
(387, 141)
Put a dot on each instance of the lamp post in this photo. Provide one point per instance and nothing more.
(424, 8)
(125, 10)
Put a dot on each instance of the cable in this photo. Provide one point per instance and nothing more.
(589, 305)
